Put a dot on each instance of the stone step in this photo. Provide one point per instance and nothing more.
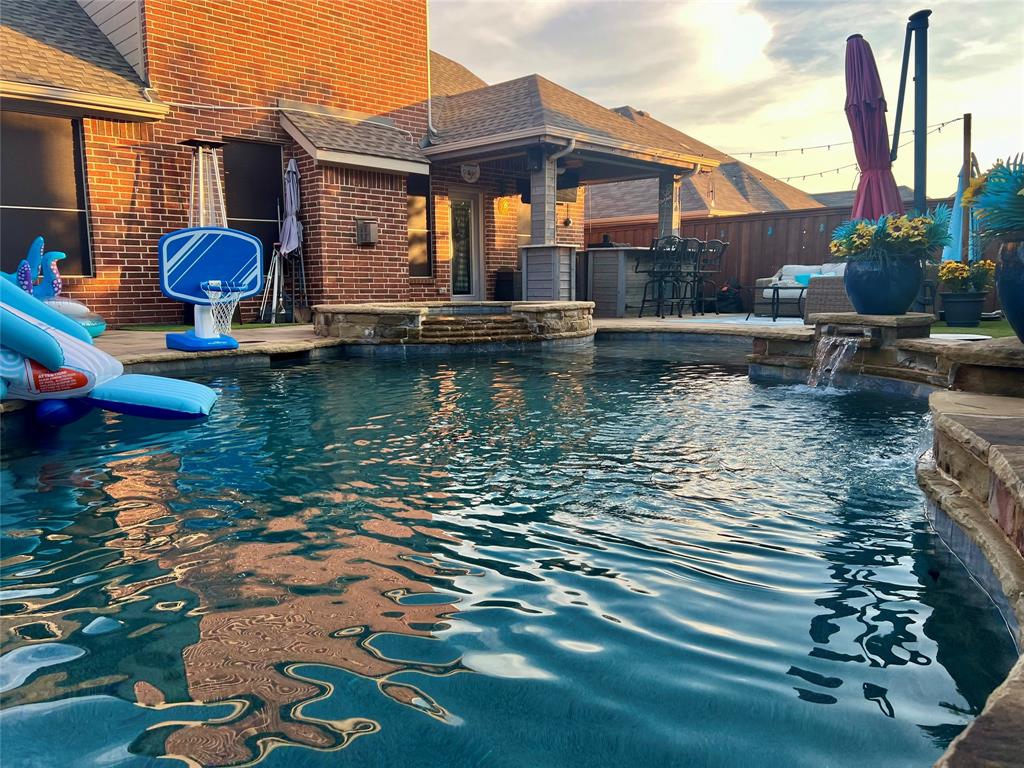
(473, 320)
(476, 333)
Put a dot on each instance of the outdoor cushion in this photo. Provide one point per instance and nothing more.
(790, 271)
(835, 268)
(804, 280)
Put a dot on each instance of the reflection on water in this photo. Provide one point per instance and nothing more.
(542, 560)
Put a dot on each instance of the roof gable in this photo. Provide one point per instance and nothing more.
(448, 78)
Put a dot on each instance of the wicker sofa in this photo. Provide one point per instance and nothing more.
(786, 276)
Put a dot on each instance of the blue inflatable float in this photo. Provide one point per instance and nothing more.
(38, 274)
(46, 356)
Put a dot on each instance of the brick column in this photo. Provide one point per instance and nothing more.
(542, 203)
(668, 204)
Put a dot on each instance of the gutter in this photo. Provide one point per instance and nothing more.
(80, 103)
(664, 157)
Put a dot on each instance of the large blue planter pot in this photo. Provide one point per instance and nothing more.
(883, 287)
(1010, 283)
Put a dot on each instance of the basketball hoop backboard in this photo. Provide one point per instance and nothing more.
(190, 257)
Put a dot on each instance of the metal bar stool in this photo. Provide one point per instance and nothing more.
(710, 264)
(662, 286)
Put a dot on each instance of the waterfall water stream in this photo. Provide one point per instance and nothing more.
(830, 356)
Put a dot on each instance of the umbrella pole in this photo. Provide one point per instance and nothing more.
(919, 24)
(965, 218)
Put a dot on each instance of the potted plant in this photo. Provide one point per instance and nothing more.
(885, 258)
(997, 198)
(963, 288)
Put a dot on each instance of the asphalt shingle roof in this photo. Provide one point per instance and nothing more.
(338, 133)
(534, 102)
(54, 43)
(844, 198)
(733, 186)
(448, 78)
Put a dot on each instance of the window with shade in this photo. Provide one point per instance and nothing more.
(253, 190)
(418, 192)
(524, 232)
(42, 190)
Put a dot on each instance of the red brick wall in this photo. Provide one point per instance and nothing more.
(368, 56)
(500, 215)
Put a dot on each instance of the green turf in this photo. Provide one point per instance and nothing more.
(179, 328)
(995, 328)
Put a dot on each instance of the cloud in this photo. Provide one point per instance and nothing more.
(755, 73)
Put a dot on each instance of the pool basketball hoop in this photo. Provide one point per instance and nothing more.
(213, 268)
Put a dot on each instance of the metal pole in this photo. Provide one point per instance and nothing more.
(919, 24)
(965, 213)
(202, 187)
(899, 100)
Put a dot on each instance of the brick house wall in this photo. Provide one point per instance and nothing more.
(368, 56)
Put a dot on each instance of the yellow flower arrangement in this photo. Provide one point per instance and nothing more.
(913, 237)
(958, 277)
(953, 270)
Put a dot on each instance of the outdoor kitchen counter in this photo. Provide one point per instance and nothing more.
(612, 282)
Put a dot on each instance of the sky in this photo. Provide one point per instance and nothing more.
(760, 74)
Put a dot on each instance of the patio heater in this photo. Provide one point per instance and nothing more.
(206, 192)
(917, 28)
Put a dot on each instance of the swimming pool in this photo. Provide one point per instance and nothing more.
(619, 554)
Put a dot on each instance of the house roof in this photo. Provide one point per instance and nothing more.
(732, 187)
(448, 78)
(844, 198)
(534, 106)
(53, 52)
(342, 138)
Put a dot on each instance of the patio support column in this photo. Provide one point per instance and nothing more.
(542, 202)
(668, 204)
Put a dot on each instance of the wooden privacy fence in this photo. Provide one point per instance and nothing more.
(759, 243)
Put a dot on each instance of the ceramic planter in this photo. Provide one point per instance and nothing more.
(1010, 282)
(963, 310)
(883, 286)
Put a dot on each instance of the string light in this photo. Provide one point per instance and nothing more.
(827, 147)
(935, 129)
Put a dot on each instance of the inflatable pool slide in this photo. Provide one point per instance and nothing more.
(46, 356)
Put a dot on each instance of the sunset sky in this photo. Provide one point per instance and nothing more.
(759, 74)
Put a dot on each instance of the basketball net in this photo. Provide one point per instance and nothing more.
(223, 300)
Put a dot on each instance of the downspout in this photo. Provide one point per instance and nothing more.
(554, 158)
(431, 130)
(563, 152)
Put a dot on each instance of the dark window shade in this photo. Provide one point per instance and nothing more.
(42, 190)
(253, 190)
(418, 190)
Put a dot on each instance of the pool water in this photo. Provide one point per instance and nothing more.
(624, 555)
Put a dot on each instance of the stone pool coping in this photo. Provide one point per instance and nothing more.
(974, 481)
(455, 324)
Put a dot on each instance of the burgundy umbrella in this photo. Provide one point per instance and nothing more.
(877, 193)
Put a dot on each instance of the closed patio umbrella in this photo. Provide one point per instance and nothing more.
(291, 229)
(877, 193)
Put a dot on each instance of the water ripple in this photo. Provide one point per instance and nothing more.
(467, 555)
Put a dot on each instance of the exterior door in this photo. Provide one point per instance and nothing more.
(467, 267)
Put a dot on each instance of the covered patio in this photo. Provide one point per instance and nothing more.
(510, 164)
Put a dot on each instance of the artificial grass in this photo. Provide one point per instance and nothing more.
(180, 328)
(997, 329)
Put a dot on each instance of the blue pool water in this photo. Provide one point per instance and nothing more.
(619, 556)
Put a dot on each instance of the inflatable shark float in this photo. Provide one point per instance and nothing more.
(47, 357)
(42, 263)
